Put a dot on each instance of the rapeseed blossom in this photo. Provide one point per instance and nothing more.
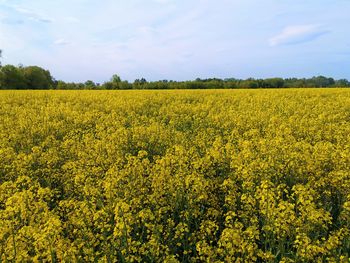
(175, 176)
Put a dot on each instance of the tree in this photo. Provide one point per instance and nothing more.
(274, 83)
(37, 78)
(116, 79)
(89, 84)
(11, 77)
(116, 83)
(0, 56)
(249, 83)
(342, 83)
(139, 83)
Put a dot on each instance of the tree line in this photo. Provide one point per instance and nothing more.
(34, 77)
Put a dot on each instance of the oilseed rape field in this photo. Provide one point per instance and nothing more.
(175, 176)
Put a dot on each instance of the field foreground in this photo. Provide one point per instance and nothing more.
(175, 176)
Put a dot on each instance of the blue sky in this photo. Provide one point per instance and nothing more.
(79, 40)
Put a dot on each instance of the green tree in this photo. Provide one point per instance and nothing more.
(37, 77)
(116, 79)
(89, 84)
(342, 83)
(274, 83)
(116, 83)
(11, 77)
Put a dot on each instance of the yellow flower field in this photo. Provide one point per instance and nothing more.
(175, 176)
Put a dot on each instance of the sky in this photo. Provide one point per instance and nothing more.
(79, 40)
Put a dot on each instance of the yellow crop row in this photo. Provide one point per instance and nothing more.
(175, 176)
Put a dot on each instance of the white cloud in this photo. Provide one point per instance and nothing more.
(297, 34)
(33, 15)
(62, 42)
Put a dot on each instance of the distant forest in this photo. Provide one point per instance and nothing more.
(34, 77)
